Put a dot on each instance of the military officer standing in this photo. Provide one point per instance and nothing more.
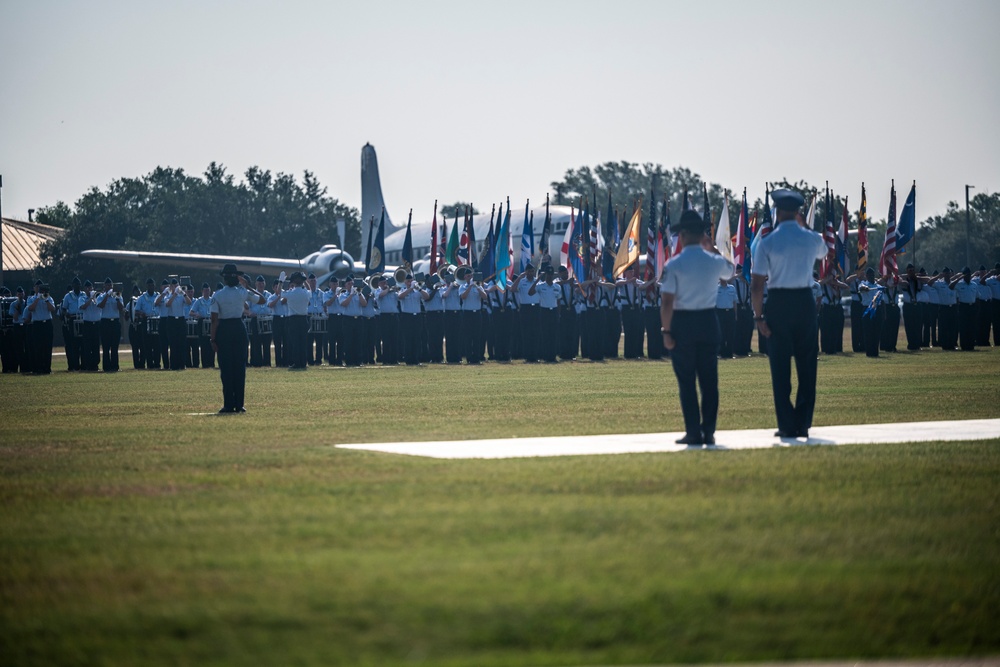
(296, 300)
(41, 306)
(630, 298)
(785, 259)
(548, 314)
(966, 295)
(111, 305)
(201, 310)
(690, 328)
(410, 334)
(145, 308)
(743, 336)
(725, 311)
(229, 337)
(90, 348)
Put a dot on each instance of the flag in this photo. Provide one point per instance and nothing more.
(434, 242)
(463, 240)
(488, 261)
(471, 232)
(863, 230)
(887, 261)
(811, 214)
(747, 251)
(443, 247)
(740, 250)
(651, 239)
(765, 226)
(608, 236)
(828, 236)
(907, 220)
(842, 239)
(527, 240)
(378, 250)
(723, 240)
(577, 249)
(595, 252)
(451, 253)
(408, 244)
(686, 204)
(543, 245)
(502, 249)
(564, 256)
(371, 237)
(628, 251)
(707, 215)
(662, 239)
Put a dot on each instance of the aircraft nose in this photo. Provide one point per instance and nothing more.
(342, 265)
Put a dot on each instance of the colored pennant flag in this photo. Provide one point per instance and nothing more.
(707, 214)
(527, 239)
(863, 230)
(650, 271)
(628, 250)
(434, 242)
(740, 250)
(543, 245)
(829, 237)
(488, 261)
(887, 260)
(503, 250)
(408, 244)
(907, 220)
(377, 264)
(723, 240)
(451, 253)
(470, 228)
(578, 250)
(443, 247)
(564, 253)
(845, 222)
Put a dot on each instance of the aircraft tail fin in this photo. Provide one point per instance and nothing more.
(372, 202)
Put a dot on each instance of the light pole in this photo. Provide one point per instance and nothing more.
(968, 226)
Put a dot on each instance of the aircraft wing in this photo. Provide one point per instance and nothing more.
(324, 263)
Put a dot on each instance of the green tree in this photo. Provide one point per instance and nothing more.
(458, 208)
(168, 210)
(941, 239)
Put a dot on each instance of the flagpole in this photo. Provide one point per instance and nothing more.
(914, 225)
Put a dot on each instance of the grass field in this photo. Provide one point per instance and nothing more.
(135, 533)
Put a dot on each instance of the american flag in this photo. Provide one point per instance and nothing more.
(887, 262)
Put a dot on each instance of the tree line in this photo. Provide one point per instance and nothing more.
(278, 215)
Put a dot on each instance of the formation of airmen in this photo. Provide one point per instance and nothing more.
(456, 316)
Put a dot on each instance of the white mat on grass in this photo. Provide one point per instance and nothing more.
(580, 445)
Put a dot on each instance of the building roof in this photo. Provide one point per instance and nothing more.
(22, 243)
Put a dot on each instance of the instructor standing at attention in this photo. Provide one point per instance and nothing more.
(690, 328)
(785, 260)
(229, 337)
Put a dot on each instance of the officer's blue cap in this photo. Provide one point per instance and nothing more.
(350, 276)
(909, 266)
(966, 270)
(946, 270)
(173, 281)
(20, 290)
(76, 280)
(311, 276)
(150, 281)
(108, 281)
(259, 279)
(204, 285)
(787, 200)
(982, 267)
(38, 283)
(218, 286)
(86, 283)
(333, 279)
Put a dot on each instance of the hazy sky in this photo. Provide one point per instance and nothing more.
(476, 101)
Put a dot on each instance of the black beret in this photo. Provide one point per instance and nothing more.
(787, 200)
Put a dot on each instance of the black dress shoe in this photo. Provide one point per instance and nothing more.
(803, 433)
(689, 440)
(227, 411)
(240, 410)
(784, 434)
(708, 439)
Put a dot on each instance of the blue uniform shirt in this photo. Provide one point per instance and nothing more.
(787, 256)
(228, 302)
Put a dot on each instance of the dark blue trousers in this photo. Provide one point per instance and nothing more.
(793, 335)
(695, 358)
(231, 339)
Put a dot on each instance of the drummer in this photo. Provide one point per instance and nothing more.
(144, 310)
(70, 309)
(297, 321)
(201, 310)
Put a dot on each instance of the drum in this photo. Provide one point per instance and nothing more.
(317, 324)
(265, 324)
(77, 324)
(248, 325)
(193, 328)
(6, 319)
(206, 327)
(153, 326)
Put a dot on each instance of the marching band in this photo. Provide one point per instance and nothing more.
(456, 316)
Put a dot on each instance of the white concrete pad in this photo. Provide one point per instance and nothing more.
(862, 434)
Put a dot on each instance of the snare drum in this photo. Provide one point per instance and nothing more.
(317, 324)
(265, 324)
(193, 328)
(206, 327)
(153, 326)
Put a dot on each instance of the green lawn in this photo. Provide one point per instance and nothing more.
(134, 533)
